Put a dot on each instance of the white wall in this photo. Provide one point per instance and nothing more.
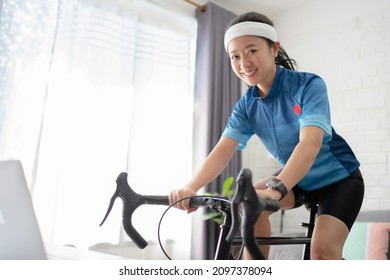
(347, 42)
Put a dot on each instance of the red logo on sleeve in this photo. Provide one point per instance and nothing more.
(297, 109)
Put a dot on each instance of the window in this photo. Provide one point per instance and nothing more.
(115, 96)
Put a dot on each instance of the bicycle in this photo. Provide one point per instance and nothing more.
(245, 195)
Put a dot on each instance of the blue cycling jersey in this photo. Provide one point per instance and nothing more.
(296, 100)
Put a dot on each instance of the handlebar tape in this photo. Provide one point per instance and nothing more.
(129, 206)
(271, 205)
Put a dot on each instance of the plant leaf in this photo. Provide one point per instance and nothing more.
(218, 220)
(226, 187)
(211, 194)
(211, 215)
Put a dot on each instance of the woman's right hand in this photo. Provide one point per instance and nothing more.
(214, 164)
(179, 194)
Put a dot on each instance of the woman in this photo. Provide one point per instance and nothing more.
(289, 111)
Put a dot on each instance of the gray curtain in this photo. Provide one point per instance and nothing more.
(217, 89)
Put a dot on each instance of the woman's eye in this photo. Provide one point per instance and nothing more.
(252, 51)
(234, 57)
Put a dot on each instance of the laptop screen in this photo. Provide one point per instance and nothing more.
(20, 237)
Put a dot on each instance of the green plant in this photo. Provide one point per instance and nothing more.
(226, 192)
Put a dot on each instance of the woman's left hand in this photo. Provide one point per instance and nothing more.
(269, 194)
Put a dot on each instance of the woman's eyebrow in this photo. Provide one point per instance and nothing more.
(251, 45)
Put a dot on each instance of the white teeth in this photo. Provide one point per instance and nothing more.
(249, 73)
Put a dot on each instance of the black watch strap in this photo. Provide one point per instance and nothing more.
(277, 184)
(283, 190)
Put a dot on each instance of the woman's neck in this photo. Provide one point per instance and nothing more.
(266, 84)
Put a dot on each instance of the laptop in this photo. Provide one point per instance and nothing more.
(20, 237)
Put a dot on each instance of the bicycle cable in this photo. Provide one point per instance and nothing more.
(172, 205)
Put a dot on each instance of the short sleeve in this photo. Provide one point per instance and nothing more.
(315, 107)
(238, 126)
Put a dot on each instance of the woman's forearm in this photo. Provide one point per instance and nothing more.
(303, 156)
(214, 164)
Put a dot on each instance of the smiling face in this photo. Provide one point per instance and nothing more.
(253, 61)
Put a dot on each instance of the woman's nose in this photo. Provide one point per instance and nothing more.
(245, 63)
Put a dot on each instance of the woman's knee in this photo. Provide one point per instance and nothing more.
(328, 238)
(325, 251)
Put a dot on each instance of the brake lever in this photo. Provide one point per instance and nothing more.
(235, 204)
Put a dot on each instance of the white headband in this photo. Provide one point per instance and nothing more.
(249, 28)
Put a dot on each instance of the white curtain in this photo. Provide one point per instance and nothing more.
(26, 37)
(118, 98)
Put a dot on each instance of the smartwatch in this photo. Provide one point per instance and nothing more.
(277, 184)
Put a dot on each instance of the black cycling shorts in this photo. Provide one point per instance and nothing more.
(342, 199)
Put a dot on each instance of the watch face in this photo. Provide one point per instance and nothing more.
(274, 183)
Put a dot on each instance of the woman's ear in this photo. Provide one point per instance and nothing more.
(275, 48)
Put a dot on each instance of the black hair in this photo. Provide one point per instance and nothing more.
(282, 59)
